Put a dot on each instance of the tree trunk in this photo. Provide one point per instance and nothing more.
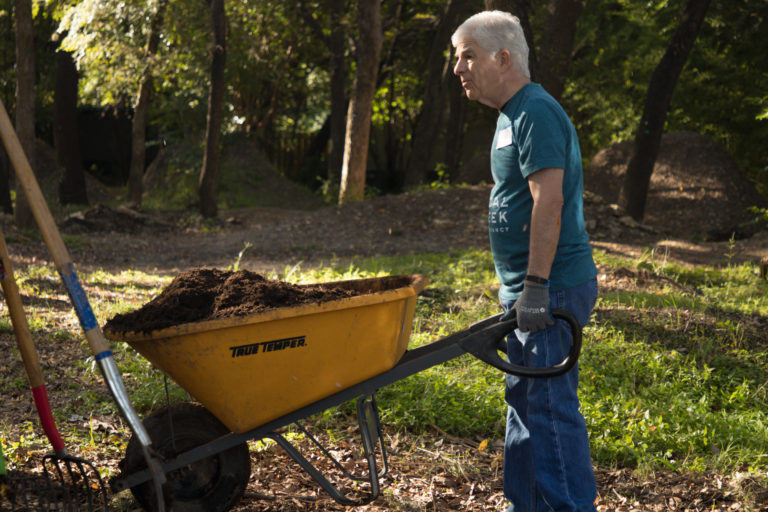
(72, 188)
(359, 115)
(634, 190)
(336, 46)
(139, 124)
(454, 137)
(433, 101)
(207, 183)
(338, 94)
(557, 45)
(521, 9)
(25, 102)
(6, 171)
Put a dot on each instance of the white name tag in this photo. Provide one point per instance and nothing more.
(505, 137)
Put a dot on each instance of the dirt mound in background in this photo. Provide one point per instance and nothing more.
(696, 187)
(103, 218)
(252, 178)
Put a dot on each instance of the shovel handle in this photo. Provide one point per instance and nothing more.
(50, 233)
(96, 340)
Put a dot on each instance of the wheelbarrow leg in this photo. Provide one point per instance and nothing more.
(370, 431)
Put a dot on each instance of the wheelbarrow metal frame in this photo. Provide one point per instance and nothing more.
(483, 340)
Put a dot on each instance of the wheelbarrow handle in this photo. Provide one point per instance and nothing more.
(489, 336)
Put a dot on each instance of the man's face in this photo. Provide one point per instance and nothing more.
(479, 72)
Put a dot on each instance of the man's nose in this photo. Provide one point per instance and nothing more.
(458, 68)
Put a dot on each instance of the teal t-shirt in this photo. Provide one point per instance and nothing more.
(533, 132)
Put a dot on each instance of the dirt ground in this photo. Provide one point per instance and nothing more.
(434, 471)
(698, 200)
(427, 221)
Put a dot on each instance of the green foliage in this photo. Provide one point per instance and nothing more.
(108, 41)
(278, 73)
(277, 58)
(21, 451)
(109, 37)
(669, 380)
(239, 259)
(659, 405)
(761, 214)
(178, 187)
(720, 93)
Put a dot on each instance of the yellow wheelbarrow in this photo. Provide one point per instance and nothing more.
(253, 375)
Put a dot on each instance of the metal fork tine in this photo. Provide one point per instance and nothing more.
(66, 484)
(101, 493)
(88, 492)
(73, 483)
(87, 473)
(65, 495)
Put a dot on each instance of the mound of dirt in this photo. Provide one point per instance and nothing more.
(245, 176)
(696, 187)
(204, 294)
(103, 218)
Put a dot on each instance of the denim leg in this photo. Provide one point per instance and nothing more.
(547, 463)
(519, 481)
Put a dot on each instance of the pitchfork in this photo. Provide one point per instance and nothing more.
(68, 483)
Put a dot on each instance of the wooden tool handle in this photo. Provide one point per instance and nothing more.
(19, 319)
(51, 235)
(94, 335)
(32, 190)
(26, 346)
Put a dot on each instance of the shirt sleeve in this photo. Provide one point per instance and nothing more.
(541, 139)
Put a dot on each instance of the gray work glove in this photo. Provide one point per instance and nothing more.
(532, 308)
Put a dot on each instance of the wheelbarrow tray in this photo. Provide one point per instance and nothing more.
(250, 370)
(483, 340)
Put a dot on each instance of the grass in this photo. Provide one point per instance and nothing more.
(674, 369)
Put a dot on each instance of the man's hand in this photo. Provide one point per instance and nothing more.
(532, 308)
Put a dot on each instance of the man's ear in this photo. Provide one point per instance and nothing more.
(505, 59)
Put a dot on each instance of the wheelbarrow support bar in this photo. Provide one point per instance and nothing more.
(370, 432)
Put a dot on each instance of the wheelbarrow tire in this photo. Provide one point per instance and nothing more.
(214, 484)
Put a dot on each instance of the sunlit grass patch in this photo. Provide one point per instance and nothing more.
(673, 369)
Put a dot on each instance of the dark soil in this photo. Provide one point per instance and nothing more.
(204, 294)
(696, 187)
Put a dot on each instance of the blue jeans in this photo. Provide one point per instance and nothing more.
(547, 464)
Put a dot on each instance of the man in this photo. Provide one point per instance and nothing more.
(543, 260)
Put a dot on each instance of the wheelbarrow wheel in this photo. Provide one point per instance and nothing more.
(214, 484)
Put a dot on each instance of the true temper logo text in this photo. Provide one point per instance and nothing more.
(268, 346)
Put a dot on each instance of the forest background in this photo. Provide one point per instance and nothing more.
(138, 99)
(280, 76)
